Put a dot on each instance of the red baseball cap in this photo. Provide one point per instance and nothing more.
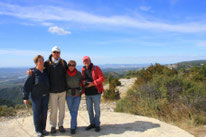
(86, 57)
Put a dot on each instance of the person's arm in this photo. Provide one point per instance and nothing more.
(81, 79)
(27, 88)
(46, 65)
(100, 76)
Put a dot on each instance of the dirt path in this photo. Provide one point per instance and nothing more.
(126, 84)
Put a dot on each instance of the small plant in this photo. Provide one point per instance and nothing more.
(112, 93)
(7, 111)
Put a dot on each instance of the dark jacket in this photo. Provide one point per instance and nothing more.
(57, 75)
(37, 84)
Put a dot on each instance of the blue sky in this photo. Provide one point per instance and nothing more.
(109, 31)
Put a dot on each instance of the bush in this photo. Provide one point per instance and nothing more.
(112, 93)
(7, 111)
(19, 106)
(168, 95)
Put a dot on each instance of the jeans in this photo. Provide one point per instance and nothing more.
(93, 101)
(40, 108)
(73, 105)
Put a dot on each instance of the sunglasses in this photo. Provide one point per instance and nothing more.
(71, 65)
(56, 52)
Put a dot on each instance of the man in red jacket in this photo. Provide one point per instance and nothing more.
(92, 81)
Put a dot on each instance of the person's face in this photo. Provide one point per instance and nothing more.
(71, 66)
(86, 62)
(56, 55)
(40, 62)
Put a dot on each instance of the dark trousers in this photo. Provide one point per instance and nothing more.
(40, 108)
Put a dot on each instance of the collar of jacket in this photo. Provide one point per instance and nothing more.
(72, 73)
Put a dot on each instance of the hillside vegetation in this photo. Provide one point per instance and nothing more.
(11, 95)
(188, 64)
(167, 94)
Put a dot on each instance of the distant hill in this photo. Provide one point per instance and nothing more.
(11, 95)
(6, 102)
(187, 64)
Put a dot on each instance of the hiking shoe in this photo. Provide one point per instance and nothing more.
(39, 134)
(97, 128)
(45, 133)
(90, 127)
(53, 130)
(72, 131)
(61, 129)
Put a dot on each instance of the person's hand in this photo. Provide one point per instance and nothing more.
(29, 72)
(90, 84)
(84, 82)
(25, 101)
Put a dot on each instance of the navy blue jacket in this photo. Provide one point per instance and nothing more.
(37, 84)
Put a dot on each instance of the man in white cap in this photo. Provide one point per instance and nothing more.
(56, 68)
(57, 75)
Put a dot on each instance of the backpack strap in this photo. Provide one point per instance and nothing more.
(62, 62)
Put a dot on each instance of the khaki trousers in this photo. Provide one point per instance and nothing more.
(57, 102)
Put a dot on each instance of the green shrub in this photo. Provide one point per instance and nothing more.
(7, 111)
(19, 106)
(168, 95)
(112, 93)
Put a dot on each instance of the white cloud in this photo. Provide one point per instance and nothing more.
(51, 13)
(144, 8)
(58, 30)
(201, 44)
(47, 24)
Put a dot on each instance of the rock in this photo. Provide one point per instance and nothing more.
(112, 124)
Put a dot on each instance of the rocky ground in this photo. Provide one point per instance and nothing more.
(112, 125)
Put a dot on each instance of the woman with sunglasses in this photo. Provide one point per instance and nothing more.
(74, 92)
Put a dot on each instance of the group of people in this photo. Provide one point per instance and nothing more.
(55, 81)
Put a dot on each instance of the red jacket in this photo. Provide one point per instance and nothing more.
(97, 76)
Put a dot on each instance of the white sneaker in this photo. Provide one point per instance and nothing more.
(38, 134)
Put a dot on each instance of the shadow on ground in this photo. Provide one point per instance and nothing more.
(137, 126)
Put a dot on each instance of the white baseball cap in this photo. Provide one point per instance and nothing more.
(55, 48)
